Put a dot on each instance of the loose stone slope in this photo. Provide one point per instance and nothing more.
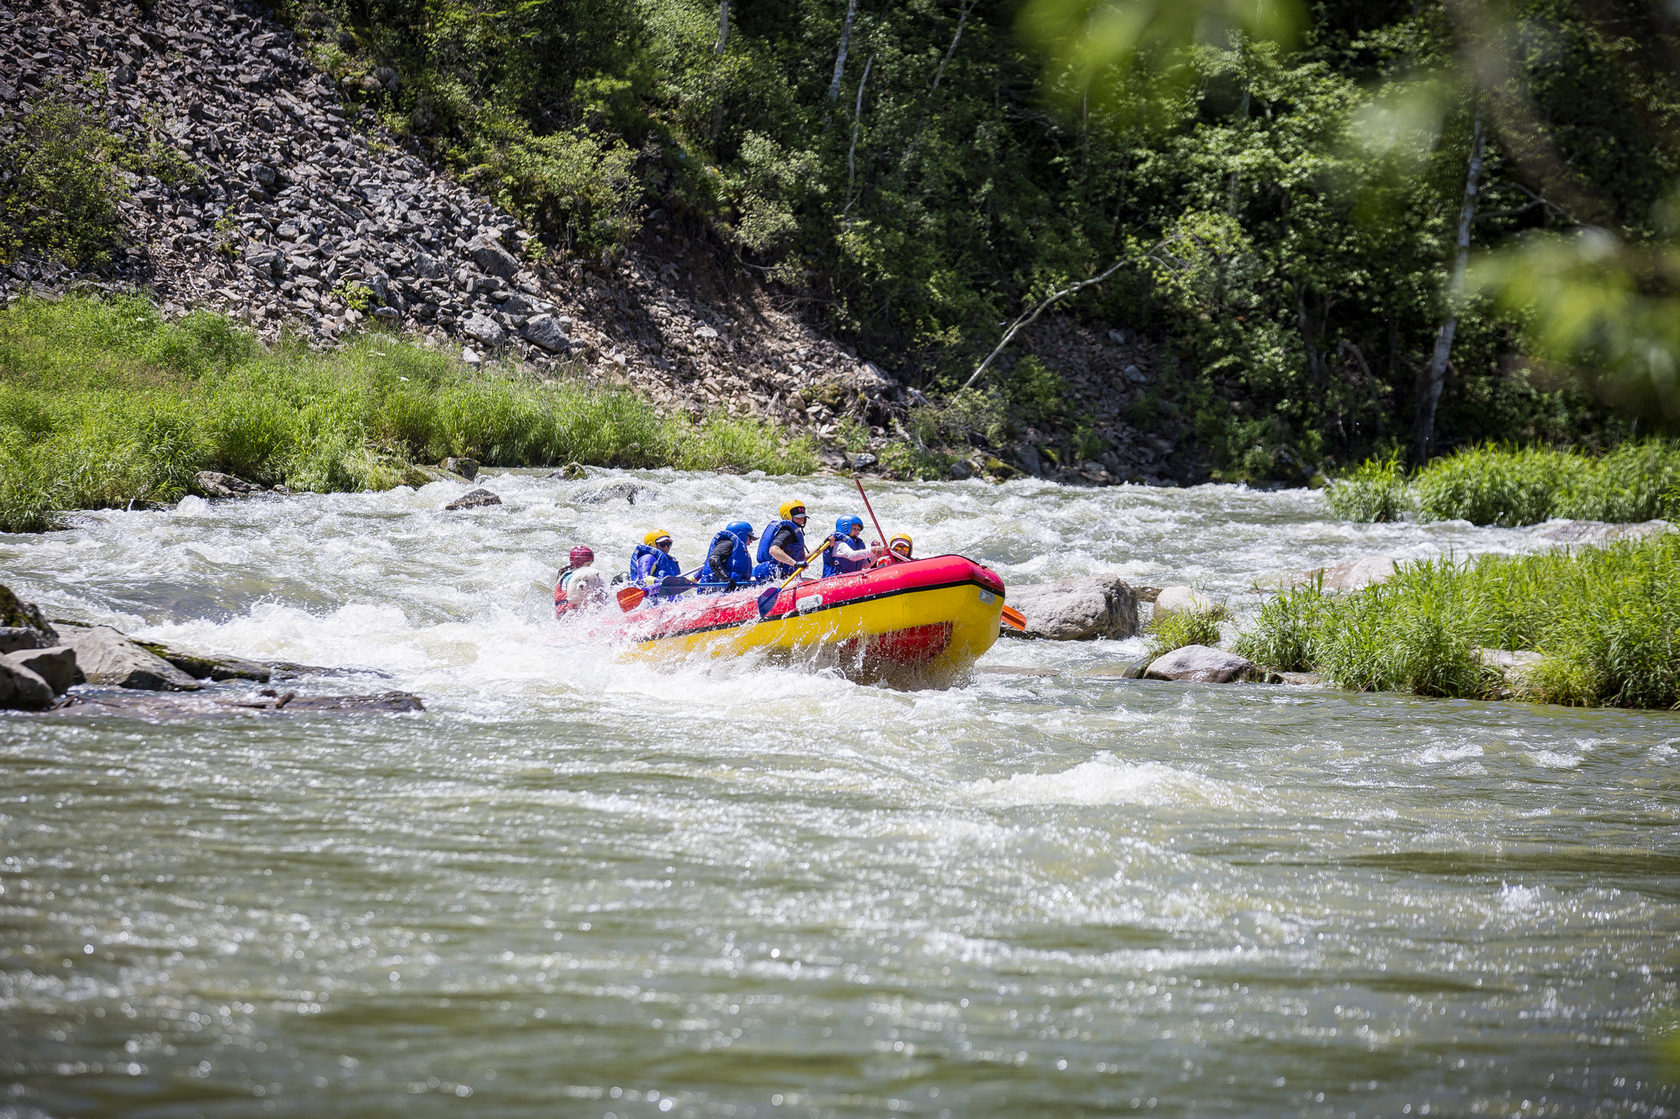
(308, 217)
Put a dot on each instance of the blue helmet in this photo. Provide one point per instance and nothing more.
(844, 525)
(739, 528)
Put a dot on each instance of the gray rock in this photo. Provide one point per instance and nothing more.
(1136, 375)
(56, 665)
(491, 258)
(21, 689)
(483, 328)
(545, 331)
(1077, 609)
(474, 499)
(107, 657)
(13, 638)
(1201, 664)
(213, 483)
(465, 467)
(624, 491)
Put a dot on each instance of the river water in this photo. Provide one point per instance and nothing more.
(579, 886)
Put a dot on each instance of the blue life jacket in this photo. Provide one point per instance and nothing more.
(768, 568)
(648, 565)
(845, 556)
(740, 562)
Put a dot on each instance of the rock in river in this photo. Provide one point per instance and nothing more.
(1077, 609)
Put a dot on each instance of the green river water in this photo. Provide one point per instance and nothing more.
(580, 886)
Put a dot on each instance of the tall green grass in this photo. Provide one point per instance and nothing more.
(1605, 620)
(103, 404)
(1515, 486)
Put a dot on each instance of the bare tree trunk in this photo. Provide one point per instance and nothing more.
(723, 41)
(938, 76)
(857, 118)
(840, 59)
(1430, 396)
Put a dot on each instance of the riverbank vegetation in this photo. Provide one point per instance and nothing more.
(1510, 486)
(1354, 228)
(105, 405)
(1605, 623)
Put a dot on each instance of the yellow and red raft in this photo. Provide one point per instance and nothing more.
(926, 619)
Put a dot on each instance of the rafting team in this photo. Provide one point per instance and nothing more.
(731, 561)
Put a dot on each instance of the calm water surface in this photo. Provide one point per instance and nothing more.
(577, 886)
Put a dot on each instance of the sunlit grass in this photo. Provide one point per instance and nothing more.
(1606, 622)
(103, 404)
(1511, 486)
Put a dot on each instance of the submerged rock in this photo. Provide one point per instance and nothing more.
(1078, 609)
(158, 706)
(211, 666)
(474, 499)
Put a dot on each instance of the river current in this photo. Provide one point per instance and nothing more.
(576, 885)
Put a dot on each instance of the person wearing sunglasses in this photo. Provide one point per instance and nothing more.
(781, 547)
(652, 562)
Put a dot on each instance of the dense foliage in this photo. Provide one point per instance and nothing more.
(1284, 213)
(1605, 623)
(102, 404)
(1638, 481)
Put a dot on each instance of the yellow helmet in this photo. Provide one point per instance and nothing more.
(653, 537)
(788, 509)
(900, 538)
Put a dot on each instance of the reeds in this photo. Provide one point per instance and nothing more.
(1606, 622)
(103, 404)
(1510, 486)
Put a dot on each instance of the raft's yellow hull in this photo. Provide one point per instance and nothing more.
(928, 619)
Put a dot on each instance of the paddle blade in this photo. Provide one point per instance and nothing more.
(767, 599)
(676, 584)
(630, 597)
(1014, 619)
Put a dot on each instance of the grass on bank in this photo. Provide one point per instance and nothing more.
(1606, 622)
(1507, 486)
(103, 404)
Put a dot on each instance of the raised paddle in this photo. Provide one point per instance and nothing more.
(767, 599)
(876, 520)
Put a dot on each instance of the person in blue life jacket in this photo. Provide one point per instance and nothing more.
(651, 562)
(848, 553)
(729, 560)
(781, 549)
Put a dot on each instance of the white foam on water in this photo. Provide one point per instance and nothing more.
(1105, 780)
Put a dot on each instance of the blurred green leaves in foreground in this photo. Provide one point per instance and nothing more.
(1590, 274)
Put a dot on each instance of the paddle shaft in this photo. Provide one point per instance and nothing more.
(870, 509)
(767, 600)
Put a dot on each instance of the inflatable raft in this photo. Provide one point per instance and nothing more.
(921, 620)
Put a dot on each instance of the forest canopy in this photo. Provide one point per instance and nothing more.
(1356, 227)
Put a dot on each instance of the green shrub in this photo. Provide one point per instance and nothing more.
(1185, 627)
(60, 186)
(1374, 491)
(1494, 486)
(1285, 635)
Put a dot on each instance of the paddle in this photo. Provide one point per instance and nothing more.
(631, 597)
(767, 599)
(1014, 619)
(870, 509)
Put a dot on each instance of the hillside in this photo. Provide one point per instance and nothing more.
(252, 188)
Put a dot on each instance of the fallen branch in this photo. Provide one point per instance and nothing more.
(1026, 318)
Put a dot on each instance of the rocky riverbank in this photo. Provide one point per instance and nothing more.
(57, 667)
(277, 201)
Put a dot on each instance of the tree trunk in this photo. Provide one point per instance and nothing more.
(1429, 398)
(723, 41)
(840, 59)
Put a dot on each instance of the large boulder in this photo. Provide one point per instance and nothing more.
(23, 690)
(491, 258)
(474, 499)
(212, 666)
(56, 665)
(13, 638)
(1201, 664)
(1078, 609)
(547, 331)
(15, 614)
(107, 657)
(213, 483)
